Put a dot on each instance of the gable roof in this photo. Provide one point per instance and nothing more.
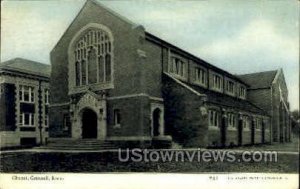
(219, 98)
(26, 67)
(96, 3)
(259, 80)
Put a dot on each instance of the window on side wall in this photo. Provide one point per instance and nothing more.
(66, 122)
(217, 82)
(177, 67)
(200, 76)
(117, 118)
(26, 94)
(231, 120)
(213, 118)
(26, 119)
(46, 96)
(255, 123)
(258, 124)
(230, 87)
(242, 92)
(245, 122)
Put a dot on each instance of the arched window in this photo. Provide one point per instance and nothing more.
(93, 57)
(101, 69)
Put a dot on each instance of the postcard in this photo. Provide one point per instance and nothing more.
(143, 94)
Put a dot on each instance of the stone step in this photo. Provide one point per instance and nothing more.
(78, 144)
(74, 148)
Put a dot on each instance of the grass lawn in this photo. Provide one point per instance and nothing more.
(283, 147)
(28, 161)
(108, 162)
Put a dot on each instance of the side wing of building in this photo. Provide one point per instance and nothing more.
(24, 100)
(271, 94)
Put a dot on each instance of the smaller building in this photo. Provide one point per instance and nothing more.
(24, 101)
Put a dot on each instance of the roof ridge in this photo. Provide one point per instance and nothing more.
(23, 59)
(26, 66)
(257, 72)
(114, 12)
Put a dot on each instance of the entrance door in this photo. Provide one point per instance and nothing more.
(89, 124)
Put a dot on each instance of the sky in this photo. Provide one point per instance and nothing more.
(237, 36)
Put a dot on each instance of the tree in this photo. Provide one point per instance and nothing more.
(296, 122)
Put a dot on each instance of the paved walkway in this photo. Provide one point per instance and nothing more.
(40, 150)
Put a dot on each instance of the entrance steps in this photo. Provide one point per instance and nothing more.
(78, 144)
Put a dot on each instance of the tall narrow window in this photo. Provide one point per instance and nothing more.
(214, 118)
(177, 67)
(200, 75)
(117, 117)
(258, 124)
(242, 92)
(245, 122)
(107, 68)
(31, 94)
(26, 94)
(77, 65)
(46, 96)
(83, 73)
(92, 66)
(66, 122)
(217, 82)
(231, 120)
(101, 69)
(230, 87)
(181, 68)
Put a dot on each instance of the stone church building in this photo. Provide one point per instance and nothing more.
(113, 81)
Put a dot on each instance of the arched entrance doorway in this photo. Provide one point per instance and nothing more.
(89, 124)
(156, 119)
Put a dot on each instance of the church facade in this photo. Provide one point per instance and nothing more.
(113, 81)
